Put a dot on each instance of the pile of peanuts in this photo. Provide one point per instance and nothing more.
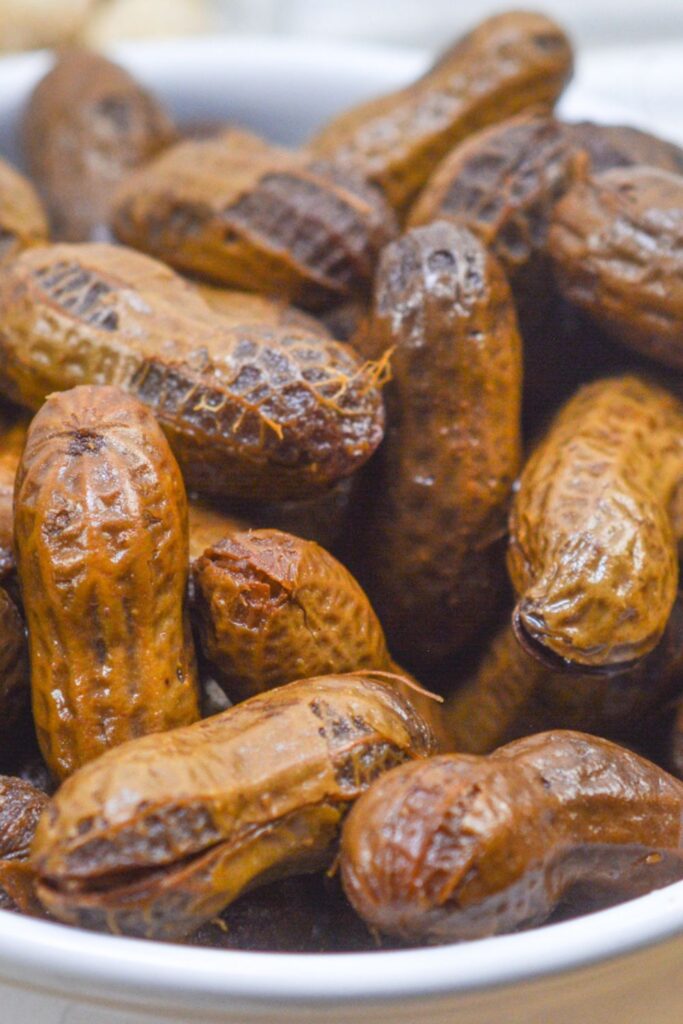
(339, 560)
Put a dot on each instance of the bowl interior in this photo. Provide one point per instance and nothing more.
(284, 90)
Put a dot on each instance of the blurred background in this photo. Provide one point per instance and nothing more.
(630, 52)
(26, 24)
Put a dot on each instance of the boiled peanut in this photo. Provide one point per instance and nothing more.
(272, 608)
(509, 63)
(20, 808)
(256, 411)
(616, 241)
(594, 526)
(87, 124)
(159, 835)
(437, 496)
(459, 846)
(102, 557)
(251, 215)
(502, 184)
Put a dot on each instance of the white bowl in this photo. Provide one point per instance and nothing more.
(619, 966)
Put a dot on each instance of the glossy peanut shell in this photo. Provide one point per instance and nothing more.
(595, 524)
(460, 847)
(616, 242)
(247, 214)
(502, 184)
(511, 62)
(272, 608)
(438, 492)
(257, 412)
(162, 833)
(87, 124)
(102, 557)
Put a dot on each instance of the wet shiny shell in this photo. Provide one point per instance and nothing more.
(161, 834)
(251, 215)
(437, 501)
(255, 411)
(87, 124)
(502, 184)
(595, 524)
(616, 241)
(274, 608)
(102, 556)
(459, 847)
(509, 63)
(21, 806)
(271, 608)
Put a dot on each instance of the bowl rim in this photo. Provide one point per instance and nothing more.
(61, 957)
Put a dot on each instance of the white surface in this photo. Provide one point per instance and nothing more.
(427, 22)
(621, 966)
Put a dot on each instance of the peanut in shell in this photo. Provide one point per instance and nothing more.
(102, 557)
(254, 412)
(509, 63)
(595, 525)
(159, 835)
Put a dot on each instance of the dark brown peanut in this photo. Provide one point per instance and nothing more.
(251, 215)
(20, 808)
(502, 184)
(459, 846)
(87, 124)
(438, 495)
(616, 241)
(595, 524)
(161, 834)
(617, 145)
(509, 63)
(14, 678)
(102, 557)
(256, 412)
